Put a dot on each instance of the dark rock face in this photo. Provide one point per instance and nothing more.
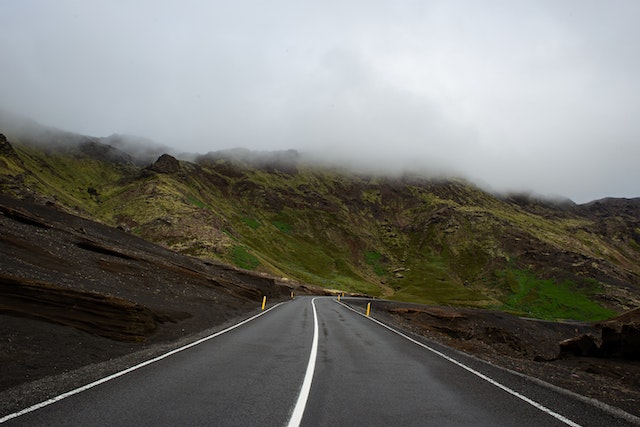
(5, 146)
(103, 315)
(621, 336)
(166, 164)
(582, 346)
(623, 343)
(620, 339)
(13, 181)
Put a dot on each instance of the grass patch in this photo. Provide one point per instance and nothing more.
(550, 300)
(252, 223)
(374, 259)
(196, 202)
(282, 226)
(428, 280)
(439, 293)
(243, 259)
(346, 283)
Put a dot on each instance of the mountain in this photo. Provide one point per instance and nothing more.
(406, 237)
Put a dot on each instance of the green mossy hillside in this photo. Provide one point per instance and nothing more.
(404, 237)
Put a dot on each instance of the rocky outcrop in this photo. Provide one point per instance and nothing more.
(6, 149)
(12, 169)
(623, 342)
(582, 346)
(166, 164)
(620, 338)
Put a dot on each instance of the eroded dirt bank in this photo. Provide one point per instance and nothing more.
(76, 293)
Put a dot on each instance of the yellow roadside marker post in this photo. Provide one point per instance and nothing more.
(368, 309)
(338, 297)
(292, 295)
(264, 301)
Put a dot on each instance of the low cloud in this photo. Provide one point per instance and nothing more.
(532, 95)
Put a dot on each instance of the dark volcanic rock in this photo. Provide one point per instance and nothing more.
(6, 149)
(582, 346)
(166, 164)
(621, 336)
(624, 343)
(620, 339)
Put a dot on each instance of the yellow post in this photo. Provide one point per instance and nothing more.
(368, 309)
(291, 294)
(338, 297)
(264, 301)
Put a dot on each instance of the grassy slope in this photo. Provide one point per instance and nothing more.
(415, 240)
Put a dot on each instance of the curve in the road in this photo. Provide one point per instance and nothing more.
(301, 403)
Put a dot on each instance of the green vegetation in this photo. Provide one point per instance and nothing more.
(430, 281)
(374, 259)
(424, 241)
(548, 299)
(196, 202)
(243, 259)
(282, 226)
(251, 222)
(69, 176)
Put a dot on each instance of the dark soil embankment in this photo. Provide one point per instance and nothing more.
(102, 315)
(74, 293)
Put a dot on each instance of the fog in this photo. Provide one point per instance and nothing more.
(534, 95)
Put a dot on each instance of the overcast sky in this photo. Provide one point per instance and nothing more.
(516, 95)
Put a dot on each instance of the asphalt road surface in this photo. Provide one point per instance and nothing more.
(317, 362)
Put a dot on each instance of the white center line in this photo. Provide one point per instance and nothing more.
(298, 410)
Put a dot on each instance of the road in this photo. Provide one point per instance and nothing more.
(362, 373)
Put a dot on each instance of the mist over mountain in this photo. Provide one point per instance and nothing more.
(143, 151)
(530, 96)
(403, 236)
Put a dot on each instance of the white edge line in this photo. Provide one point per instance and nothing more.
(126, 371)
(473, 371)
(301, 403)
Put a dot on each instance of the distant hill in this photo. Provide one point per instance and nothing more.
(406, 237)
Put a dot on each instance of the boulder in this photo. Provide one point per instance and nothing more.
(582, 346)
